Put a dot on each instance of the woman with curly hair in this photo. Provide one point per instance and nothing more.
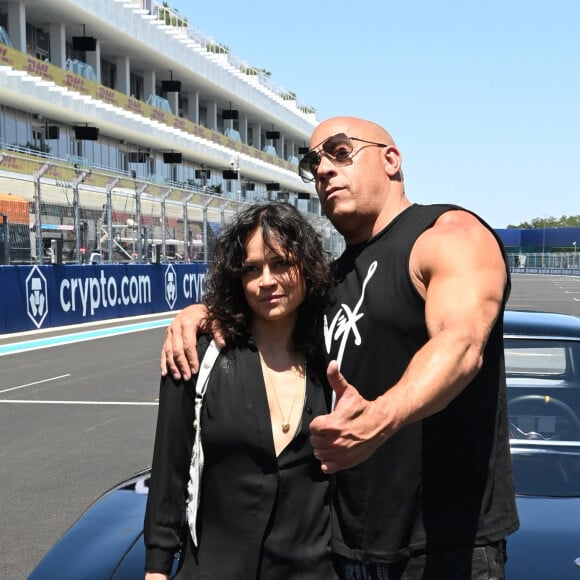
(264, 502)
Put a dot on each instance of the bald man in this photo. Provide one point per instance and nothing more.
(418, 437)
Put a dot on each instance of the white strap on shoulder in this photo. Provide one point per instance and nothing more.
(197, 459)
(205, 367)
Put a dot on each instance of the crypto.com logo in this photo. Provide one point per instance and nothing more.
(170, 286)
(36, 296)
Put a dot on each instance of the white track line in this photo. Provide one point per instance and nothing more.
(35, 383)
(125, 403)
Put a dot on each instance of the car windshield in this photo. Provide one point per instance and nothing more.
(543, 378)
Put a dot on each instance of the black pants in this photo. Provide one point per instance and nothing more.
(480, 563)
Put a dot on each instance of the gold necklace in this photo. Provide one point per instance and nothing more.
(271, 385)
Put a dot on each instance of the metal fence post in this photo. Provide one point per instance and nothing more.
(164, 197)
(186, 198)
(109, 210)
(80, 176)
(38, 213)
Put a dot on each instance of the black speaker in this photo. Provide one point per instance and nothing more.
(86, 133)
(230, 114)
(52, 132)
(303, 150)
(171, 86)
(84, 43)
(202, 173)
(137, 156)
(172, 157)
(229, 174)
(272, 134)
(157, 250)
(272, 187)
(250, 186)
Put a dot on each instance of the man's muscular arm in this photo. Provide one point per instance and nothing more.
(458, 268)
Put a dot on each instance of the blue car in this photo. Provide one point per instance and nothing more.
(543, 373)
(106, 542)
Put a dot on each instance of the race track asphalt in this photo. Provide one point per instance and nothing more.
(78, 417)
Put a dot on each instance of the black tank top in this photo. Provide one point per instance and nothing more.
(439, 484)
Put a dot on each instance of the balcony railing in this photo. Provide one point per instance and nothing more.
(51, 73)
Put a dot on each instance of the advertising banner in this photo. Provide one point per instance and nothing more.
(34, 297)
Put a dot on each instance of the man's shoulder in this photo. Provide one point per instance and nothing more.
(456, 231)
(460, 233)
(429, 215)
(452, 219)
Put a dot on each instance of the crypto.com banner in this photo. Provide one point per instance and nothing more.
(34, 297)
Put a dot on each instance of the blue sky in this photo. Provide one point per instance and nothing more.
(482, 98)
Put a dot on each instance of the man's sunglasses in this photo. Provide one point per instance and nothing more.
(339, 149)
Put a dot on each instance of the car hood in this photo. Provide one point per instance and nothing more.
(548, 541)
(98, 543)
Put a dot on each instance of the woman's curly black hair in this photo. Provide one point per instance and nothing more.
(282, 225)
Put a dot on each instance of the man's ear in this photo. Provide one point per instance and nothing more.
(392, 161)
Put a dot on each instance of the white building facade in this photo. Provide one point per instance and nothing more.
(120, 122)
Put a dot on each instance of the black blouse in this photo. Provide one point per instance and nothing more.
(260, 516)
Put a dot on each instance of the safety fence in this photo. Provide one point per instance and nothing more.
(543, 260)
(554, 263)
(58, 214)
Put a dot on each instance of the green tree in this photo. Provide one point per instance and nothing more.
(565, 221)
